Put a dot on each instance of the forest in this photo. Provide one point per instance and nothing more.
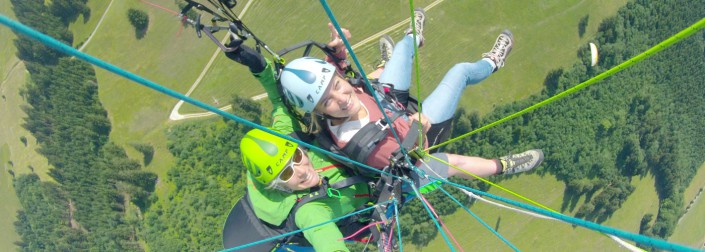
(86, 208)
(644, 120)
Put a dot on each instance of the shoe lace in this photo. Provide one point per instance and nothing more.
(385, 51)
(418, 20)
(499, 48)
(512, 162)
(520, 160)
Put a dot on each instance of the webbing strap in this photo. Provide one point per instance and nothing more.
(408, 144)
(323, 191)
(365, 140)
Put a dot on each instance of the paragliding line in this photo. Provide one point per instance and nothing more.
(492, 184)
(479, 220)
(416, 68)
(435, 221)
(304, 229)
(645, 240)
(333, 21)
(433, 211)
(687, 32)
(61, 47)
(155, 5)
(396, 217)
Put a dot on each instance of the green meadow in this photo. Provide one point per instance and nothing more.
(171, 55)
(691, 228)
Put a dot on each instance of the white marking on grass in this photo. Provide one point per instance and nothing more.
(96, 27)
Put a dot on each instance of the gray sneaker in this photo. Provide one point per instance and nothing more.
(501, 49)
(419, 21)
(525, 161)
(386, 47)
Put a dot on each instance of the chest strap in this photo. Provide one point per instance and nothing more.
(326, 190)
(409, 144)
(366, 139)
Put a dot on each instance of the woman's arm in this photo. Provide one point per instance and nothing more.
(264, 71)
(326, 237)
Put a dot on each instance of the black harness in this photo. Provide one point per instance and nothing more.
(243, 227)
(365, 141)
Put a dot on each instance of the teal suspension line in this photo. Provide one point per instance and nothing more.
(331, 16)
(304, 229)
(51, 42)
(480, 220)
(649, 241)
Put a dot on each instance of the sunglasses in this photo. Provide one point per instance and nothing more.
(288, 171)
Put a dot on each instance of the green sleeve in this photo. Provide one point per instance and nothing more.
(282, 120)
(326, 237)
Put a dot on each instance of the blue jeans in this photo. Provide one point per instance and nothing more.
(441, 104)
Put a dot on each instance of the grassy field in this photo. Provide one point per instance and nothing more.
(14, 155)
(691, 228)
(226, 78)
(546, 38)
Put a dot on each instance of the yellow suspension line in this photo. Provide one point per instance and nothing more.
(687, 32)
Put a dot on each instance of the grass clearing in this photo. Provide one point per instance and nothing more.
(642, 201)
(13, 77)
(10, 203)
(163, 55)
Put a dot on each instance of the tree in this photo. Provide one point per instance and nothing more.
(147, 151)
(140, 20)
(23, 139)
(582, 25)
(68, 10)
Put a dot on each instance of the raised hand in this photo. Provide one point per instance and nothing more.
(336, 42)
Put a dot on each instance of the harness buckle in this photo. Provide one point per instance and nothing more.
(382, 124)
(334, 193)
(417, 153)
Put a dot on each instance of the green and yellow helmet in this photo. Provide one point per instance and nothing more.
(265, 155)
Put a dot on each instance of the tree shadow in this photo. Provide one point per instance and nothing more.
(570, 201)
(86, 15)
(140, 33)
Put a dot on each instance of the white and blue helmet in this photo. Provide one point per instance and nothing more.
(304, 80)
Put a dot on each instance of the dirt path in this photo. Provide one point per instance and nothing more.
(690, 204)
(12, 69)
(96, 27)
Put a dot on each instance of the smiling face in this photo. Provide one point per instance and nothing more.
(304, 176)
(339, 100)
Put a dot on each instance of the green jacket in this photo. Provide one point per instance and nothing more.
(273, 206)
